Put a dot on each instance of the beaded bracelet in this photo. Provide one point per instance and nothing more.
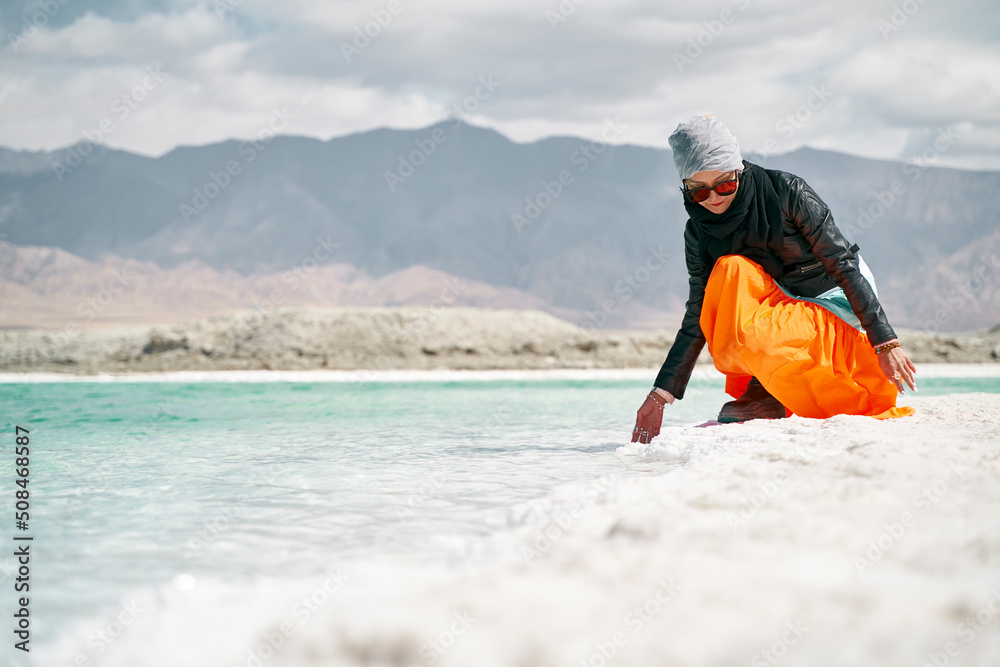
(657, 398)
(886, 346)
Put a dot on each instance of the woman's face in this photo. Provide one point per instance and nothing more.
(715, 203)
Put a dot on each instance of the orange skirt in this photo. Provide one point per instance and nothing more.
(812, 361)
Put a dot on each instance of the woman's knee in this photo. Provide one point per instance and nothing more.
(737, 263)
(734, 270)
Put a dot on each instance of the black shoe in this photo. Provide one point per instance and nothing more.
(755, 403)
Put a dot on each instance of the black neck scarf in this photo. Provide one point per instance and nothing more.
(751, 226)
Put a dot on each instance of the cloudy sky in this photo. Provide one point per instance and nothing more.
(878, 78)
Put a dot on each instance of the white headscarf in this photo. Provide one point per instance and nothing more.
(702, 143)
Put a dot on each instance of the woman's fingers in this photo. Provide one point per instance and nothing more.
(913, 371)
(645, 434)
(909, 377)
(647, 422)
(640, 421)
(898, 367)
(888, 369)
(653, 422)
(904, 367)
(904, 376)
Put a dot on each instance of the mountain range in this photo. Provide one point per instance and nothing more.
(588, 231)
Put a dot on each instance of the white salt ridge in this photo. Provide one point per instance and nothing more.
(785, 537)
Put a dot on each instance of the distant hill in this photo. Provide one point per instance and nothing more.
(449, 206)
(47, 288)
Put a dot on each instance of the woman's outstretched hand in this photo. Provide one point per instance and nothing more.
(894, 362)
(649, 418)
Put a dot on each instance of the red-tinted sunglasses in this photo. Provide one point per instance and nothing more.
(724, 189)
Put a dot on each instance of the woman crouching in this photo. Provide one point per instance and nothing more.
(786, 305)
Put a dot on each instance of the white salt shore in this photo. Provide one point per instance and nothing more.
(846, 541)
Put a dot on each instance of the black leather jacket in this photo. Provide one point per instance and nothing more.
(816, 258)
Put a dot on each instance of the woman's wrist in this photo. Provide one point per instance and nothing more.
(885, 346)
(661, 396)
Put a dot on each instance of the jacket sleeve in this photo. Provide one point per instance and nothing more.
(680, 361)
(812, 216)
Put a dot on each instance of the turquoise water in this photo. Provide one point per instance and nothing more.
(135, 483)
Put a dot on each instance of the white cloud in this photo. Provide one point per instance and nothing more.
(926, 81)
(608, 59)
(97, 37)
